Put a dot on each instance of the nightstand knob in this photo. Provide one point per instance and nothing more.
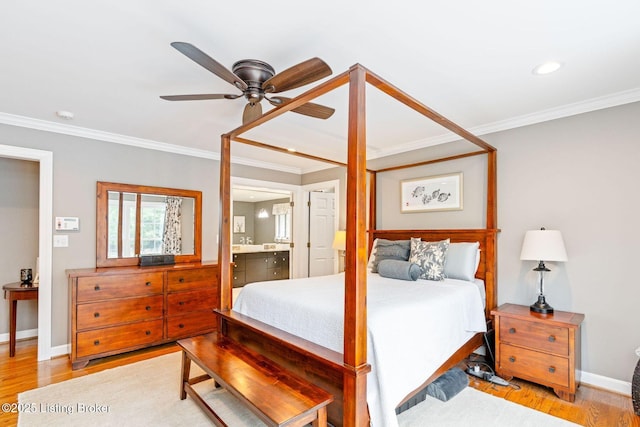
(512, 359)
(512, 330)
(552, 338)
(552, 369)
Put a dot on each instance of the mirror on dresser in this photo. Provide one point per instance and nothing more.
(135, 220)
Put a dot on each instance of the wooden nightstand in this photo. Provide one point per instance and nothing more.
(542, 348)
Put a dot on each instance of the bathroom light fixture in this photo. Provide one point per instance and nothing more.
(546, 68)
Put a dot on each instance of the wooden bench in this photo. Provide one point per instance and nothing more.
(276, 396)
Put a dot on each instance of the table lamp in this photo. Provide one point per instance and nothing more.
(340, 241)
(543, 245)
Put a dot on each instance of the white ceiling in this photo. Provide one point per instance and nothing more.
(108, 62)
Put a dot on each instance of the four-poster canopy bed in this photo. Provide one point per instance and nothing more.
(344, 373)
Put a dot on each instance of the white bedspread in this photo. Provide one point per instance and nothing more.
(413, 327)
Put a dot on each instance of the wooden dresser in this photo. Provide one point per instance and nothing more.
(120, 309)
(542, 348)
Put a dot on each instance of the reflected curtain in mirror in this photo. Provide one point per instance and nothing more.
(172, 236)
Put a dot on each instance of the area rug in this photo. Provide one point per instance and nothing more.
(147, 394)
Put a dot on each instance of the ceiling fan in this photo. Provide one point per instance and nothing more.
(256, 79)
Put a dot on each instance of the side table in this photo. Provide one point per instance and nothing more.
(15, 292)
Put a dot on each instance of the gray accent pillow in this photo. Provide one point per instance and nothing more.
(448, 384)
(390, 249)
(461, 261)
(430, 256)
(398, 269)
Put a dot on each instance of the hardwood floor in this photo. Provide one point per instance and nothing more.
(593, 407)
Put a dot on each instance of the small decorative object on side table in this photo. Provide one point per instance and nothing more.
(542, 348)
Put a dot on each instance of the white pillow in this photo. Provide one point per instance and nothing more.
(462, 261)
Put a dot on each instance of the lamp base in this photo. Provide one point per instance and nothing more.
(541, 306)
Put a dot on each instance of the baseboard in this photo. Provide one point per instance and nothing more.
(20, 335)
(60, 350)
(611, 384)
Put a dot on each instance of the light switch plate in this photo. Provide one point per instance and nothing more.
(60, 241)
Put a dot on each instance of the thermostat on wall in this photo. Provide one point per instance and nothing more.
(67, 223)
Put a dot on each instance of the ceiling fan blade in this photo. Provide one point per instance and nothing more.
(251, 112)
(209, 63)
(309, 109)
(299, 75)
(199, 97)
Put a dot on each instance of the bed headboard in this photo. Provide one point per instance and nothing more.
(487, 270)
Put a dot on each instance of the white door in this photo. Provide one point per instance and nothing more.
(322, 212)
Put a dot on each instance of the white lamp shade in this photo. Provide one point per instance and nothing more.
(543, 245)
(340, 240)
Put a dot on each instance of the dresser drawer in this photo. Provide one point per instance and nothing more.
(182, 280)
(532, 365)
(190, 324)
(539, 336)
(184, 302)
(126, 310)
(118, 337)
(95, 288)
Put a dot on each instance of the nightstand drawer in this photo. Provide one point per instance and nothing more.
(535, 366)
(540, 336)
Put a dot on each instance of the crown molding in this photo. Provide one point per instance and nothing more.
(66, 129)
(593, 104)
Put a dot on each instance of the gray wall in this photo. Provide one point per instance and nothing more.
(19, 190)
(579, 175)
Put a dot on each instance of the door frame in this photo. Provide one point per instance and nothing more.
(45, 241)
(335, 184)
(298, 238)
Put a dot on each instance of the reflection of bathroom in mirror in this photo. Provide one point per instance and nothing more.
(135, 220)
(266, 215)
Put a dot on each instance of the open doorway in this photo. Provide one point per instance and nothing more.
(45, 236)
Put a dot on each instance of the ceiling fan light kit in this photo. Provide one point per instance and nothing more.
(256, 79)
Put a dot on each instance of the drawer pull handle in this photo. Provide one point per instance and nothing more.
(148, 308)
(147, 332)
(180, 302)
(181, 280)
(512, 330)
(552, 338)
(96, 288)
(181, 326)
(96, 314)
(147, 284)
(552, 369)
(512, 359)
(266, 260)
(96, 342)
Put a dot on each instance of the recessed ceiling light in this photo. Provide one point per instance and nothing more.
(67, 115)
(546, 68)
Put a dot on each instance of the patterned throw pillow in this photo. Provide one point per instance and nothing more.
(390, 249)
(430, 256)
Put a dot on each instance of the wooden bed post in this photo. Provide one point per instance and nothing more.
(224, 246)
(355, 310)
(492, 190)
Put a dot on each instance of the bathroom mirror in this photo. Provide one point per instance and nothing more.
(137, 220)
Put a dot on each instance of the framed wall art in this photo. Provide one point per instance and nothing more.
(432, 193)
(238, 223)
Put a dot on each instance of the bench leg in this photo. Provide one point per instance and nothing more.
(321, 421)
(186, 371)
